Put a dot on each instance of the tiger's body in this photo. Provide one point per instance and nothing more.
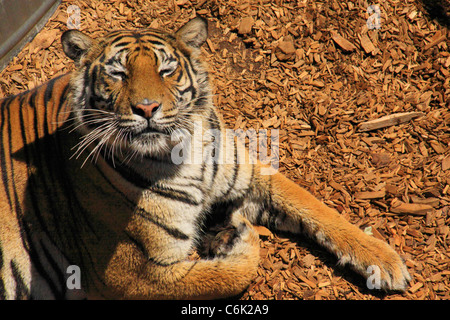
(87, 179)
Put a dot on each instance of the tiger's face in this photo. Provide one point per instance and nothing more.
(132, 90)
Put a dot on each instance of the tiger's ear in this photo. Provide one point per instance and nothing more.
(75, 43)
(194, 32)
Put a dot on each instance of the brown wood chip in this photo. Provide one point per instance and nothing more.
(342, 42)
(389, 120)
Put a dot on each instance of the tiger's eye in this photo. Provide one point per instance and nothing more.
(119, 75)
(167, 70)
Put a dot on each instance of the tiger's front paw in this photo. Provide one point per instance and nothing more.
(247, 239)
(392, 272)
(237, 238)
(381, 266)
(222, 243)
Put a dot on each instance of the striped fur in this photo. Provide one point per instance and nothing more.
(86, 179)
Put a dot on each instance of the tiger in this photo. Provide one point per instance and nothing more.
(89, 182)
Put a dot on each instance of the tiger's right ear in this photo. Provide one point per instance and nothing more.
(194, 32)
(75, 43)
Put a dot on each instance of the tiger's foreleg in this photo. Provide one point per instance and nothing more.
(135, 277)
(290, 208)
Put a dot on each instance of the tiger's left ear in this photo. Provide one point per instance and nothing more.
(194, 32)
(75, 44)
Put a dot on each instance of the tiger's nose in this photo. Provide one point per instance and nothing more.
(147, 109)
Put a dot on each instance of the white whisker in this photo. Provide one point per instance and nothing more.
(104, 130)
(92, 121)
(95, 152)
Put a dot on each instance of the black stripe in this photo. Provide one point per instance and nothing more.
(159, 263)
(171, 231)
(115, 36)
(179, 77)
(235, 173)
(176, 195)
(200, 101)
(2, 290)
(2, 284)
(197, 186)
(120, 51)
(177, 55)
(252, 178)
(157, 34)
(102, 57)
(135, 242)
(142, 249)
(1, 255)
(148, 49)
(188, 89)
(13, 180)
(22, 292)
(167, 117)
(202, 179)
(55, 269)
(49, 96)
(36, 261)
(189, 72)
(122, 43)
(214, 123)
(49, 92)
(110, 62)
(62, 99)
(258, 221)
(3, 122)
(93, 78)
(32, 101)
(159, 42)
(86, 83)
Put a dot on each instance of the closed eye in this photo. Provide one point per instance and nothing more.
(168, 68)
(116, 71)
(120, 75)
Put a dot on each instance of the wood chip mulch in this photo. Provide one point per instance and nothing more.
(360, 96)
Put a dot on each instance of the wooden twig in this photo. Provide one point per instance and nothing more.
(389, 120)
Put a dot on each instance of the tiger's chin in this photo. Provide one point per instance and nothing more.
(150, 145)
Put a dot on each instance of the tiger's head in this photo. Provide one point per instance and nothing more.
(132, 89)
